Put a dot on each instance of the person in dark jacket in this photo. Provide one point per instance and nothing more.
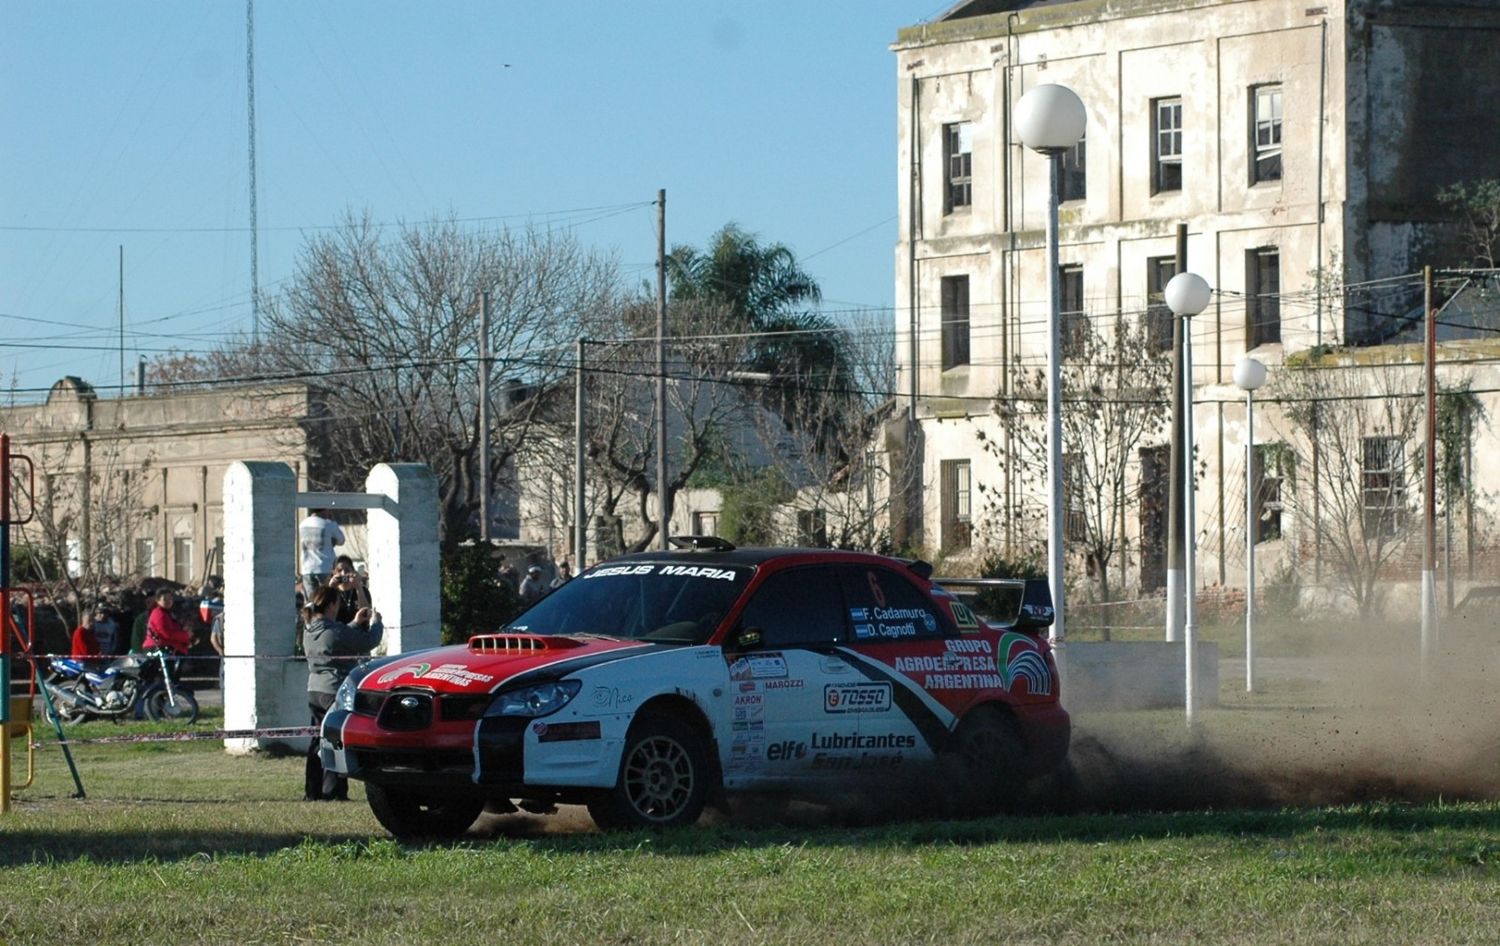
(333, 648)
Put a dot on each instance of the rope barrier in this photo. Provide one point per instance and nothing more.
(285, 732)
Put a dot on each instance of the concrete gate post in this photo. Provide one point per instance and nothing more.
(260, 614)
(405, 578)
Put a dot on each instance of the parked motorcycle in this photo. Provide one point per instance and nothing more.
(130, 686)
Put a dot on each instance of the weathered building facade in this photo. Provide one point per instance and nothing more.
(134, 485)
(1303, 145)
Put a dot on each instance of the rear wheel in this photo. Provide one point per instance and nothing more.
(664, 777)
(411, 816)
(986, 764)
(64, 704)
(181, 707)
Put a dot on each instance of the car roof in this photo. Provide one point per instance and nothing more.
(762, 556)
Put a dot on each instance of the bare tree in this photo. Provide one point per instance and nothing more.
(389, 327)
(1114, 396)
(1355, 502)
(85, 503)
(841, 486)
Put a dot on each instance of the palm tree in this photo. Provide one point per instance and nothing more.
(765, 291)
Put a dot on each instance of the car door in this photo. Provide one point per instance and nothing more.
(902, 636)
(788, 634)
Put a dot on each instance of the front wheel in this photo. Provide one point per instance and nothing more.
(182, 707)
(664, 777)
(411, 816)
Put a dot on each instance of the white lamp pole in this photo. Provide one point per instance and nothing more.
(1051, 119)
(1187, 295)
(1249, 374)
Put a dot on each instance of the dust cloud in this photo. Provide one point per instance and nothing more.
(1352, 715)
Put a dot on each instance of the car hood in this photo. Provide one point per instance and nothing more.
(490, 661)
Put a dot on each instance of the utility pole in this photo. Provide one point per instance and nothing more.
(122, 320)
(1177, 464)
(580, 508)
(661, 367)
(484, 419)
(1429, 479)
(254, 225)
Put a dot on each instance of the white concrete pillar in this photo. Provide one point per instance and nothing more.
(260, 611)
(405, 578)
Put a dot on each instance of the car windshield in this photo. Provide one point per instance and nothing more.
(667, 602)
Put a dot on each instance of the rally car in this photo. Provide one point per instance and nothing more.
(655, 684)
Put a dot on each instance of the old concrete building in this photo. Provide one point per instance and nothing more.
(1303, 144)
(133, 485)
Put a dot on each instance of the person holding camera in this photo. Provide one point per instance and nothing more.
(333, 648)
(350, 584)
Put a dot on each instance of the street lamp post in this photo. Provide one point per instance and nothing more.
(1188, 294)
(1249, 374)
(1051, 119)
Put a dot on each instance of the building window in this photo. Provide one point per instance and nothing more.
(955, 321)
(182, 561)
(1166, 145)
(1074, 179)
(75, 557)
(812, 528)
(958, 166)
(1267, 133)
(1267, 473)
(957, 500)
(1263, 301)
(705, 523)
(1159, 272)
(1383, 485)
(145, 556)
(1073, 322)
(1075, 520)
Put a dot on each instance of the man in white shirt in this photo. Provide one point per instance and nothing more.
(316, 536)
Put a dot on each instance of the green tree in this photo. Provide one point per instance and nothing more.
(765, 291)
(475, 600)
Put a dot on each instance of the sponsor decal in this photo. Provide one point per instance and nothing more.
(758, 667)
(857, 698)
(963, 665)
(699, 571)
(749, 725)
(611, 697)
(748, 686)
(614, 571)
(748, 706)
(457, 674)
(784, 684)
(565, 732)
(787, 750)
(688, 571)
(860, 741)
(963, 617)
(1023, 661)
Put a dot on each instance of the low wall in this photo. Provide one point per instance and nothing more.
(1126, 675)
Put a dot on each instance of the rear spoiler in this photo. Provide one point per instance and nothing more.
(1024, 604)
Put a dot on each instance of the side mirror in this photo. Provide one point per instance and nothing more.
(746, 638)
(1036, 606)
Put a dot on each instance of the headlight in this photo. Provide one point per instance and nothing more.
(344, 698)
(539, 700)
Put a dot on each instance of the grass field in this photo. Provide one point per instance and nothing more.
(180, 843)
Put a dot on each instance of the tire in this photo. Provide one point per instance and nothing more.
(411, 816)
(664, 778)
(183, 708)
(985, 763)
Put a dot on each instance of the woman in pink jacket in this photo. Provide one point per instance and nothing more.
(163, 631)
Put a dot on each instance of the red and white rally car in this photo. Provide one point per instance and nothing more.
(654, 684)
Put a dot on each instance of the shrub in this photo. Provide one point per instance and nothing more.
(475, 600)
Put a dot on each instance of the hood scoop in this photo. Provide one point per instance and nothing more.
(518, 644)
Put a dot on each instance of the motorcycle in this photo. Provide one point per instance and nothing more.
(129, 687)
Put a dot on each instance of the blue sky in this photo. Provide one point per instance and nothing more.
(124, 124)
